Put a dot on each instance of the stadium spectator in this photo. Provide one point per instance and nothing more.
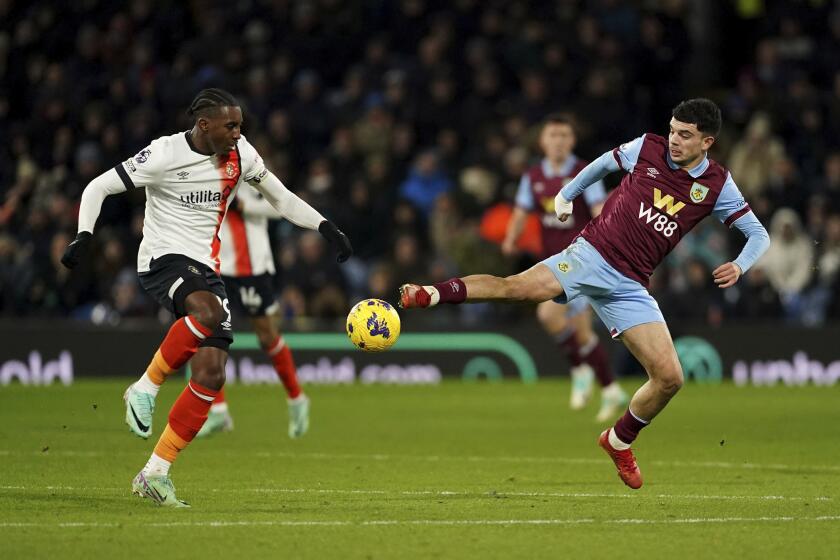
(755, 156)
(789, 263)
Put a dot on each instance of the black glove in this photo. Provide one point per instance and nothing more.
(337, 238)
(73, 251)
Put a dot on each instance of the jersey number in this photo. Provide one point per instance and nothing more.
(250, 298)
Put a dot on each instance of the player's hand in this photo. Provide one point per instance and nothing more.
(76, 249)
(336, 237)
(727, 274)
(562, 207)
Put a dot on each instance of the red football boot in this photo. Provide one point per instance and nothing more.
(628, 470)
(413, 295)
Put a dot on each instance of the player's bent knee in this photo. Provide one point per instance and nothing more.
(666, 374)
(208, 314)
(671, 382)
(671, 385)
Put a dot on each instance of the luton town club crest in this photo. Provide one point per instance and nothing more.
(698, 192)
(230, 169)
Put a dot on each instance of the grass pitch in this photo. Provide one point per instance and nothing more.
(455, 471)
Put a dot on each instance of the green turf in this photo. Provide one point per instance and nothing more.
(455, 471)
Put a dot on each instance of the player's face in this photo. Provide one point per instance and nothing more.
(686, 144)
(557, 141)
(223, 129)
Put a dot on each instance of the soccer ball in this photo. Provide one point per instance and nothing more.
(373, 325)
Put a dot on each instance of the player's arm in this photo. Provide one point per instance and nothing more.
(142, 170)
(291, 207)
(261, 208)
(732, 210)
(523, 205)
(624, 157)
(94, 194)
(595, 196)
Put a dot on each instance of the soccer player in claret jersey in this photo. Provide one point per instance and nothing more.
(190, 179)
(571, 324)
(248, 273)
(670, 186)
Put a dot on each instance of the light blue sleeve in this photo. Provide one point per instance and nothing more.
(729, 203)
(596, 193)
(589, 175)
(757, 240)
(628, 153)
(524, 197)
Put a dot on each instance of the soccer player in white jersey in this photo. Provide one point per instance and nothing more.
(190, 179)
(248, 273)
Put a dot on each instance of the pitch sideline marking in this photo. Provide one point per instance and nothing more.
(475, 458)
(436, 522)
(444, 493)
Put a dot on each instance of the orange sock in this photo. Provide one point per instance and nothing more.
(284, 365)
(177, 348)
(185, 419)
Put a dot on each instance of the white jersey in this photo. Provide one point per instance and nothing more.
(187, 195)
(246, 249)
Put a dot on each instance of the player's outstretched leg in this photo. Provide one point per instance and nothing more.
(185, 420)
(179, 345)
(651, 344)
(536, 284)
(219, 418)
(275, 346)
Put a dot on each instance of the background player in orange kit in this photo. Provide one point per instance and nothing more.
(248, 271)
(571, 324)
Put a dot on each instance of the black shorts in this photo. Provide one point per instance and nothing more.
(255, 295)
(171, 278)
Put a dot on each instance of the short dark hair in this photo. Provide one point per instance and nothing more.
(209, 101)
(559, 118)
(700, 111)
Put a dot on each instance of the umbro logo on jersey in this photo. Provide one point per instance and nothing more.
(182, 175)
(193, 269)
(652, 172)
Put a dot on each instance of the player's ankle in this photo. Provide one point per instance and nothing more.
(156, 466)
(615, 441)
(434, 295)
(146, 385)
(451, 291)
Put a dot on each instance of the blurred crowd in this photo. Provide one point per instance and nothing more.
(406, 122)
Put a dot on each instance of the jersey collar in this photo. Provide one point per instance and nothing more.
(188, 136)
(695, 171)
(565, 169)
